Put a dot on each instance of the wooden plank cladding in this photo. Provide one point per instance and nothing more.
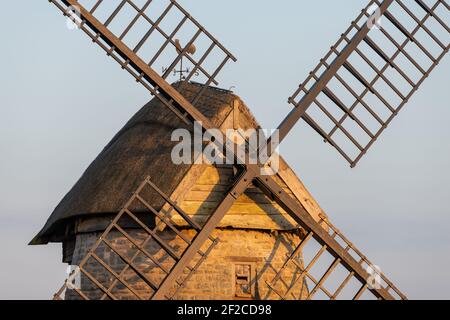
(252, 210)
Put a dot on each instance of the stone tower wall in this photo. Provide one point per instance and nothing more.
(239, 258)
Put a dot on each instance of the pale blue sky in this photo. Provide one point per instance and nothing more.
(61, 101)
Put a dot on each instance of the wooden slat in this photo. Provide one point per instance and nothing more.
(247, 198)
(259, 222)
(128, 262)
(205, 208)
(160, 241)
(117, 276)
(98, 284)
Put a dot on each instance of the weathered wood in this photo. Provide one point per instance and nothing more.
(222, 188)
(205, 208)
(300, 192)
(253, 222)
(214, 177)
(256, 197)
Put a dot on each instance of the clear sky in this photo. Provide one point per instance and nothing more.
(62, 100)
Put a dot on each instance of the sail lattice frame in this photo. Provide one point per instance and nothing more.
(323, 274)
(148, 259)
(142, 36)
(381, 75)
(107, 281)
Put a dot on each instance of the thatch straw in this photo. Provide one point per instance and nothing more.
(142, 148)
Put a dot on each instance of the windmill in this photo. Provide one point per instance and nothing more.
(154, 247)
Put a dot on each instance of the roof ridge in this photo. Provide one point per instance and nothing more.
(198, 84)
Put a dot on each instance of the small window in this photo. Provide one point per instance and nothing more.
(244, 281)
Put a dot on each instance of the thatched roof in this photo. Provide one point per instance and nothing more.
(142, 148)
